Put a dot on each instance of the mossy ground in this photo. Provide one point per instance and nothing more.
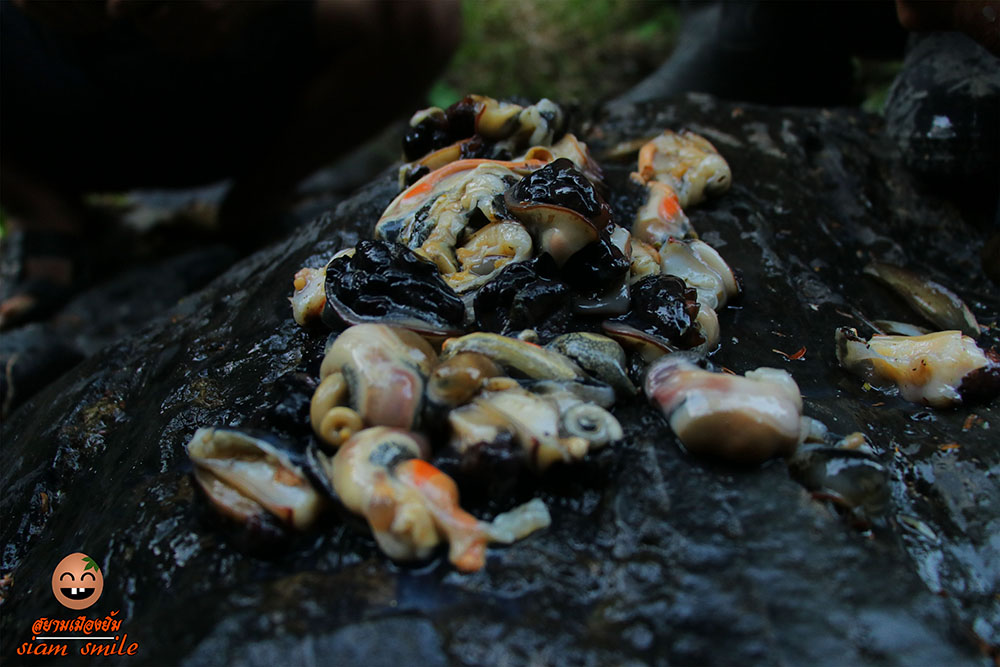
(567, 50)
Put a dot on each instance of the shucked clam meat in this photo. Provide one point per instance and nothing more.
(746, 419)
(688, 163)
(411, 506)
(526, 359)
(561, 208)
(476, 127)
(309, 296)
(456, 380)
(372, 375)
(660, 217)
(437, 216)
(244, 473)
(540, 428)
(940, 369)
(702, 268)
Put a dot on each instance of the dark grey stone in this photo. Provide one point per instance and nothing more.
(654, 557)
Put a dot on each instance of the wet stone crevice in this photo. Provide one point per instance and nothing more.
(653, 556)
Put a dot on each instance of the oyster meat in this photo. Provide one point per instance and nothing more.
(241, 472)
(381, 371)
(411, 506)
(940, 369)
(688, 163)
(746, 419)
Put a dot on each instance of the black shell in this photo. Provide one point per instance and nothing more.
(665, 307)
(434, 132)
(983, 384)
(388, 282)
(428, 135)
(852, 478)
(520, 296)
(560, 183)
(597, 265)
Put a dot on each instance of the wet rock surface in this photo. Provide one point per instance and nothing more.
(653, 556)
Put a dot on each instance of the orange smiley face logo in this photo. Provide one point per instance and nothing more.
(77, 582)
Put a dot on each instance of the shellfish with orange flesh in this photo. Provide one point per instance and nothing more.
(688, 163)
(660, 217)
(412, 507)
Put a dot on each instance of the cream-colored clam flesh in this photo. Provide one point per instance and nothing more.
(745, 419)
(456, 380)
(702, 268)
(580, 418)
(259, 471)
(385, 368)
(537, 124)
(497, 120)
(559, 231)
(362, 479)
(645, 261)
(411, 506)
(485, 254)
(688, 163)
(708, 325)
(408, 218)
(309, 296)
(471, 426)
(927, 369)
(660, 218)
(577, 152)
(535, 423)
(229, 501)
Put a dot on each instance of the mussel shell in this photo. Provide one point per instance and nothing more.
(389, 283)
(599, 356)
(982, 384)
(210, 448)
(853, 478)
(665, 307)
(597, 265)
(431, 133)
(521, 296)
(561, 184)
(437, 129)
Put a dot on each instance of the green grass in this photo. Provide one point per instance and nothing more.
(567, 50)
